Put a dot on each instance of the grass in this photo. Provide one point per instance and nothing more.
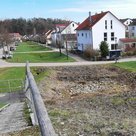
(129, 66)
(40, 57)
(2, 104)
(30, 46)
(15, 77)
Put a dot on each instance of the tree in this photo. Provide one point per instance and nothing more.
(5, 40)
(104, 49)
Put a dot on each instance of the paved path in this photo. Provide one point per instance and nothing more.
(11, 119)
(6, 64)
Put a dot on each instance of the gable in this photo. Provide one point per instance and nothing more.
(87, 24)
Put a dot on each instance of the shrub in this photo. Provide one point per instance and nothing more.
(90, 53)
(104, 49)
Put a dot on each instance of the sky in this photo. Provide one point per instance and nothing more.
(74, 10)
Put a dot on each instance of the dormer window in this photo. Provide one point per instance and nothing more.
(105, 24)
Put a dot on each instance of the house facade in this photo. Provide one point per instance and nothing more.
(97, 28)
(132, 29)
(127, 43)
(65, 32)
(127, 22)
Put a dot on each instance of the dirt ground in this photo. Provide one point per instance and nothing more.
(88, 101)
(91, 100)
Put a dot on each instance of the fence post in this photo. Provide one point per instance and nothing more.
(40, 111)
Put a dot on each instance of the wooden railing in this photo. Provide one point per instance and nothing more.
(39, 113)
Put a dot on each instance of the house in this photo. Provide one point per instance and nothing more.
(16, 36)
(56, 33)
(65, 33)
(132, 29)
(48, 36)
(97, 28)
(127, 43)
(127, 22)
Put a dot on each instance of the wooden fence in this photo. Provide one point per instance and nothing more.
(39, 113)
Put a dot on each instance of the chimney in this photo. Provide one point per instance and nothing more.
(90, 17)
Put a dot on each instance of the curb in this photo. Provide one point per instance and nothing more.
(1, 109)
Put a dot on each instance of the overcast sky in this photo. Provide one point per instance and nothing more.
(76, 10)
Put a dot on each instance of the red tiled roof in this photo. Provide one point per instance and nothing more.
(60, 25)
(127, 40)
(85, 25)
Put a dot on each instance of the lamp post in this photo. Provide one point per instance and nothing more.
(116, 49)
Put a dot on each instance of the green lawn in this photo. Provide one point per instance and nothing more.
(39, 57)
(14, 75)
(130, 66)
(30, 46)
(2, 104)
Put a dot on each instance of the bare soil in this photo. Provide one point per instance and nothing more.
(91, 101)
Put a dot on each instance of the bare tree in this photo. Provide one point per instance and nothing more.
(5, 40)
(59, 42)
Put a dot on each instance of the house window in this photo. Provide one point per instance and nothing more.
(78, 34)
(86, 35)
(73, 25)
(105, 36)
(112, 36)
(133, 28)
(111, 24)
(113, 46)
(82, 34)
(133, 34)
(105, 24)
(133, 45)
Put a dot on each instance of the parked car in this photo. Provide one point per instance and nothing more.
(7, 55)
(12, 48)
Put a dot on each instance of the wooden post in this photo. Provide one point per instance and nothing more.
(44, 122)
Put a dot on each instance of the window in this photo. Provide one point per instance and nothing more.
(105, 24)
(112, 36)
(86, 35)
(114, 46)
(133, 34)
(78, 34)
(105, 36)
(111, 24)
(82, 34)
(73, 25)
(133, 45)
(133, 28)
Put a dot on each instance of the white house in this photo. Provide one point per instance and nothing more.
(132, 29)
(127, 43)
(97, 28)
(65, 32)
(127, 22)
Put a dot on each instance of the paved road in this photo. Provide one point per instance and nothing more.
(79, 62)
(6, 64)
(11, 119)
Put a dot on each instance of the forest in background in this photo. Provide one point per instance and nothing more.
(29, 26)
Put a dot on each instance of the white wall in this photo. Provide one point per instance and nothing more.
(70, 29)
(85, 40)
(132, 31)
(99, 29)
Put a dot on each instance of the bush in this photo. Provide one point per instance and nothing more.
(90, 53)
(104, 49)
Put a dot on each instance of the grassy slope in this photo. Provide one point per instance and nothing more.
(130, 66)
(40, 57)
(29, 46)
(2, 104)
(11, 74)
